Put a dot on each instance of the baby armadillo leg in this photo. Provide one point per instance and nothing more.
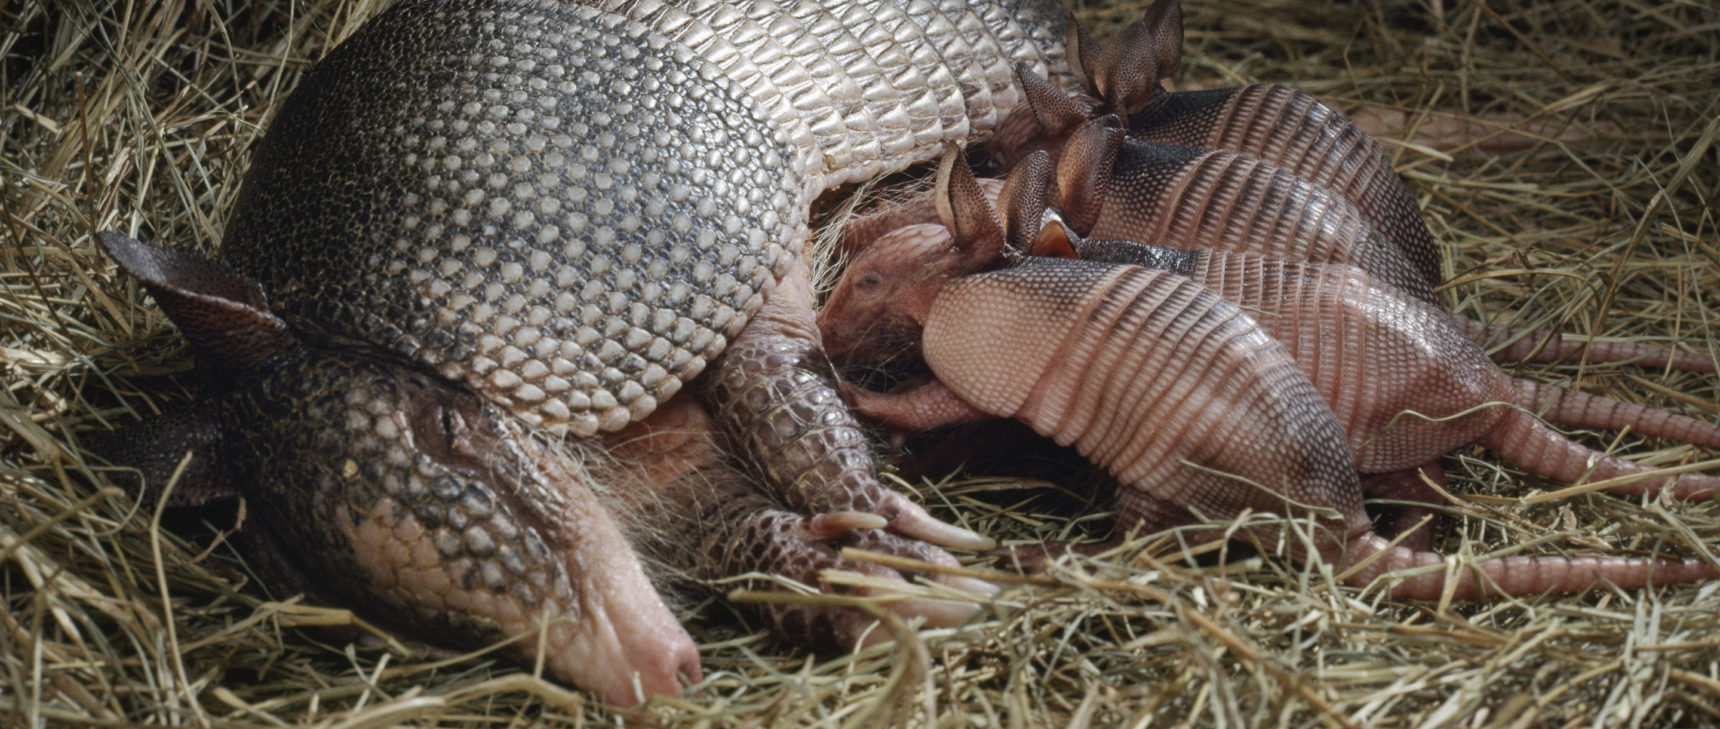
(1511, 575)
(775, 400)
(1523, 439)
(927, 405)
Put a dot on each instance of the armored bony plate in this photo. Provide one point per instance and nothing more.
(565, 211)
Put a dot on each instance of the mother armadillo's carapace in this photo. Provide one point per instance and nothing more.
(571, 215)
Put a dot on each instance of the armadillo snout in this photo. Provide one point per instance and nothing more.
(420, 504)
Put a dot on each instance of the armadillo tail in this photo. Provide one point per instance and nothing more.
(1584, 410)
(1510, 575)
(1537, 346)
(1526, 441)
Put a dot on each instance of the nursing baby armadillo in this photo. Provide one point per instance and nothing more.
(479, 218)
(1278, 124)
(1195, 407)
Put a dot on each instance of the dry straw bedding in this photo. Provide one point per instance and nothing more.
(138, 117)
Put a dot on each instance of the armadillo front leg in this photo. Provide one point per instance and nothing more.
(775, 399)
(752, 537)
(694, 511)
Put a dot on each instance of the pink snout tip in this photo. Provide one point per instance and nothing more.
(629, 672)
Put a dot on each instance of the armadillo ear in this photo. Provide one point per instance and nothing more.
(1056, 111)
(963, 209)
(1084, 172)
(1082, 53)
(1023, 201)
(222, 313)
(1165, 20)
(157, 446)
(1055, 241)
(1128, 74)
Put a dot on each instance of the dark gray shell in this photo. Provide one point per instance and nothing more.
(565, 211)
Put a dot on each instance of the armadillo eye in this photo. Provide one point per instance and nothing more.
(442, 431)
(868, 281)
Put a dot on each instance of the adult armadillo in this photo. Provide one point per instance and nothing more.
(571, 212)
(1176, 392)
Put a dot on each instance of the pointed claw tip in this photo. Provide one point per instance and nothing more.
(958, 538)
(924, 527)
(937, 613)
(837, 523)
(972, 585)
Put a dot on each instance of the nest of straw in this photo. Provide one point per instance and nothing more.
(1575, 195)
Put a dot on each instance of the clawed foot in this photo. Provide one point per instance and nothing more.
(808, 550)
(908, 519)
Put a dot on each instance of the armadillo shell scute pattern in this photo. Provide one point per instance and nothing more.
(567, 212)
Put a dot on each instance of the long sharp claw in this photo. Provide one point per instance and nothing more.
(972, 585)
(918, 524)
(938, 613)
(836, 523)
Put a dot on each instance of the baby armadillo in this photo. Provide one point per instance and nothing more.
(476, 217)
(1260, 155)
(1175, 391)
(1275, 123)
(1405, 383)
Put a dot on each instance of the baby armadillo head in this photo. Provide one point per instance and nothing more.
(880, 304)
(383, 487)
(882, 299)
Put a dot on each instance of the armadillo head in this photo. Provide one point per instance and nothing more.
(879, 305)
(882, 299)
(409, 498)
(881, 302)
(1120, 78)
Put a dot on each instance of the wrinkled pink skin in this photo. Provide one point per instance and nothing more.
(1044, 350)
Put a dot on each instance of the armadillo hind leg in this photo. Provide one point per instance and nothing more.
(776, 401)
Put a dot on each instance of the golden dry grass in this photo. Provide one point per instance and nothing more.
(138, 117)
